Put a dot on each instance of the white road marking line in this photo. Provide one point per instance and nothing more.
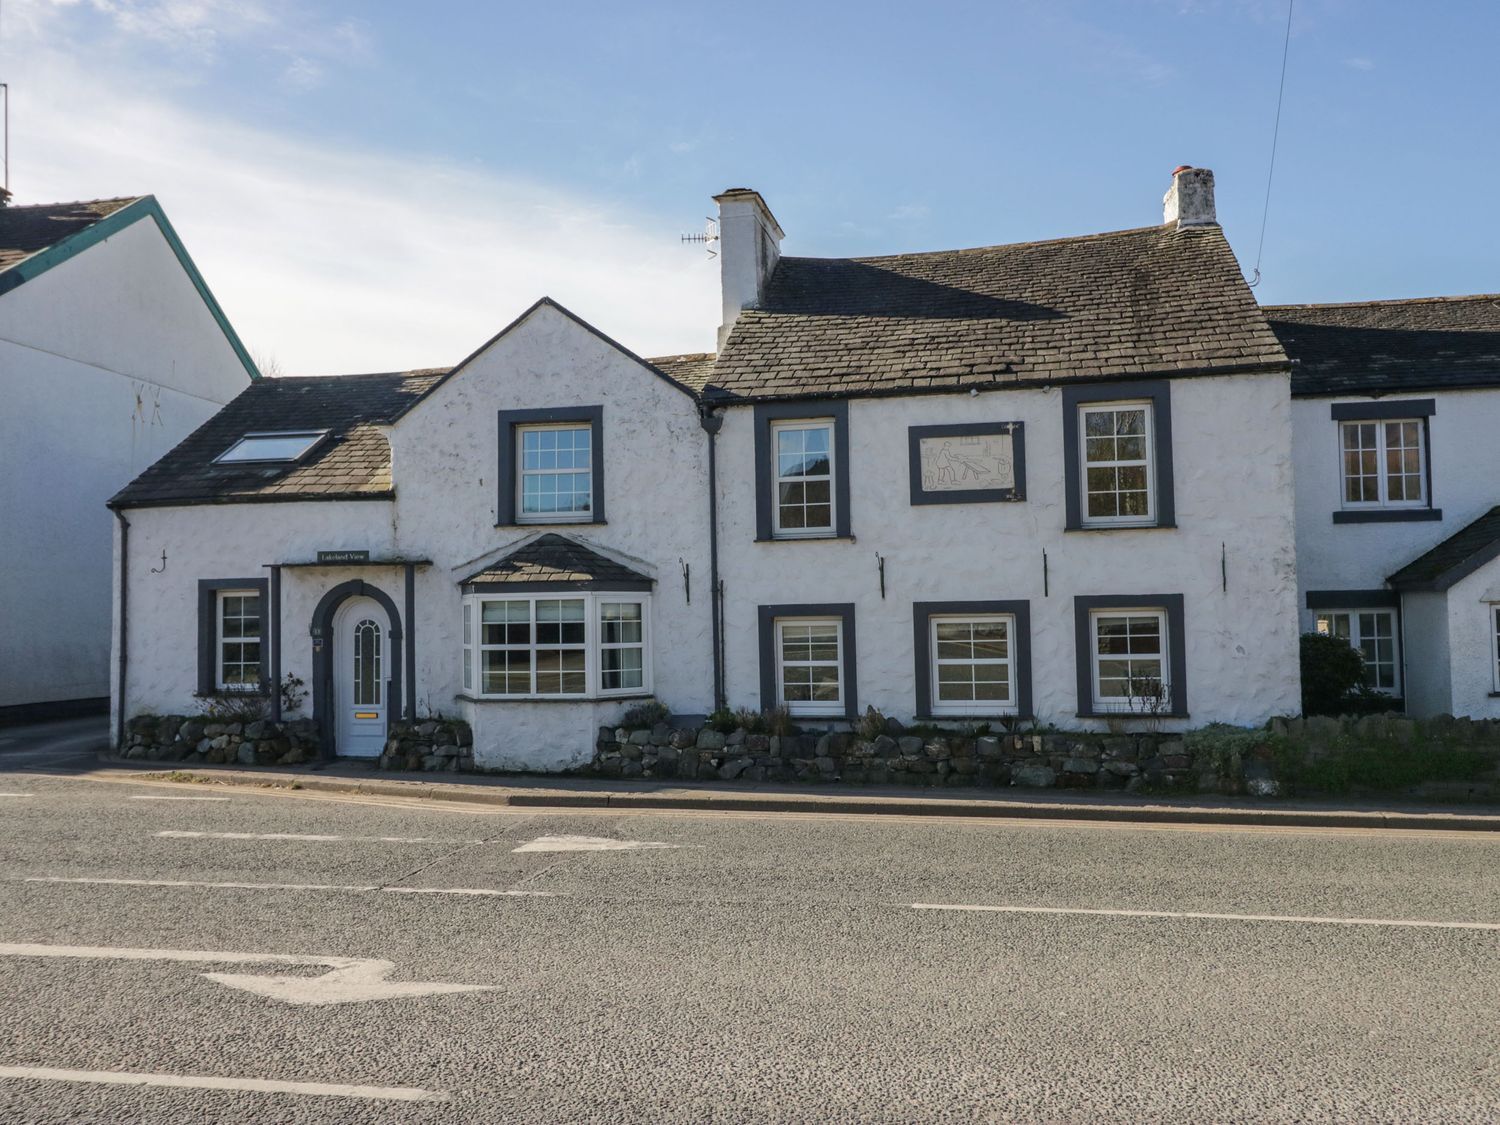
(198, 883)
(208, 1082)
(348, 979)
(308, 838)
(139, 798)
(467, 891)
(587, 844)
(1415, 923)
(15, 794)
(354, 888)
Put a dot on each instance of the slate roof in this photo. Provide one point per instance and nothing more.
(1375, 347)
(26, 230)
(556, 561)
(692, 371)
(1454, 558)
(1148, 302)
(354, 461)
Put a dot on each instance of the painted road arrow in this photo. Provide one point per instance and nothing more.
(349, 980)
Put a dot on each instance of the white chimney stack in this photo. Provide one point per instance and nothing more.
(749, 248)
(1189, 202)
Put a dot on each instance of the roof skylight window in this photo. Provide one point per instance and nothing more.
(287, 445)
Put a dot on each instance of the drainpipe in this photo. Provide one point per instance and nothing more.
(712, 423)
(124, 630)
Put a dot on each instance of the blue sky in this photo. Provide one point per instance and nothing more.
(377, 185)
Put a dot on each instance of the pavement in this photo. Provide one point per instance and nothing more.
(248, 953)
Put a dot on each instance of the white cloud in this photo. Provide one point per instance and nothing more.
(346, 260)
(302, 74)
(1360, 63)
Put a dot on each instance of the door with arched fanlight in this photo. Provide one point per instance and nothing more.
(361, 673)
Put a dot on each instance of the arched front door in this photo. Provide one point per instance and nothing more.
(361, 675)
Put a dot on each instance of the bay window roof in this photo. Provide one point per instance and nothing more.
(554, 562)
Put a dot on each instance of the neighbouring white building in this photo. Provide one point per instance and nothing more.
(1047, 481)
(1394, 413)
(112, 350)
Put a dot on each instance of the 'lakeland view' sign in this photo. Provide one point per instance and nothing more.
(343, 556)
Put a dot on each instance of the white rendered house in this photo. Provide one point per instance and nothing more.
(112, 350)
(1394, 410)
(1048, 481)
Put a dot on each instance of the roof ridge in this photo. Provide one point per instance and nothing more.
(75, 202)
(410, 373)
(1384, 301)
(992, 246)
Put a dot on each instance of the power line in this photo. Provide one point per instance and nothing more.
(1275, 134)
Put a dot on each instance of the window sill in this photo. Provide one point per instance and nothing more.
(803, 538)
(225, 693)
(1387, 515)
(1169, 526)
(464, 697)
(552, 523)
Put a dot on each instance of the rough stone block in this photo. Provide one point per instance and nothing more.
(732, 769)
(640, 738)
(988, 749)
(1033, 776)
(709, 739)
(1080, 765)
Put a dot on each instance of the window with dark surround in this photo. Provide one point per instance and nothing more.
(802, 470)
(551, 468)
(967, 463)
(1385, 461)
(234, 648)
(972, 658)
(807, 659)
(1131, 655)
(1117, 455)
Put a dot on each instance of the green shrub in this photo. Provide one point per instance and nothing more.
(750, 721)
(645, 715)
(1379, 767)
(778, 720)
(724, 721)
(1333, 675)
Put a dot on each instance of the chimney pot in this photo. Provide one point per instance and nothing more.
(1189, 202)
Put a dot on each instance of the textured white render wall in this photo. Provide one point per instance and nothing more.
(1471, 621)
(1232, 455)
(445, 454)
(1425, 658)
(235, 541)
(106, 362)
(1465, 485)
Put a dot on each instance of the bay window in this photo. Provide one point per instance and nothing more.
(550, 646)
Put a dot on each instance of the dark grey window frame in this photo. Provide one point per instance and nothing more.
(1016, 494)
(208, 632)
(1159, 393)
(1020, 657)
(506, 514)
(1353, 599)
(768, 615)
(1385, 410)
(1084, 606)
(796, 411)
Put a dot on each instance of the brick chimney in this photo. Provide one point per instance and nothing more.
(1189, 202)
(749, 248)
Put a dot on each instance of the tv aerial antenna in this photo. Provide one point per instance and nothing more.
(709, 236)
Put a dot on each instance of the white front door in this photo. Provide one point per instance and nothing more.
(361, 669)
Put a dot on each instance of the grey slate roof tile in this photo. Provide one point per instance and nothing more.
(28, 229)
(1138, 302)
(1455, 557)
(354, 462)
(555, 558)
(1377, 347)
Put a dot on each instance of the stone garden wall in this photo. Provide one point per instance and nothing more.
(1442, 757)
(430, 744)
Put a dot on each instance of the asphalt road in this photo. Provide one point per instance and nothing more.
(760, 969)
